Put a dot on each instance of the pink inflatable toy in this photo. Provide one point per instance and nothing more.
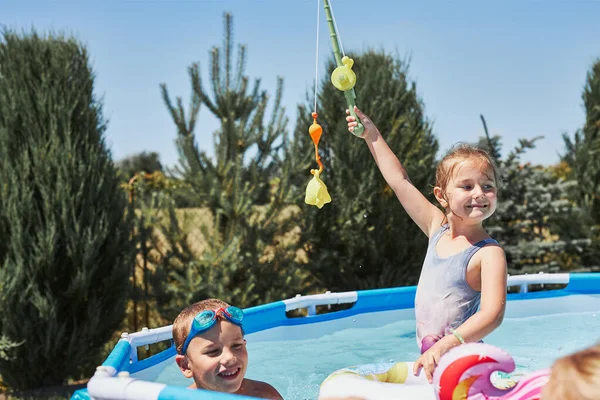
(464, 374)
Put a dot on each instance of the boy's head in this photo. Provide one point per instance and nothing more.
(465, 173)
(214, 355)
(575, 377)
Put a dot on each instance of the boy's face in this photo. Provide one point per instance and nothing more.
(216, 359)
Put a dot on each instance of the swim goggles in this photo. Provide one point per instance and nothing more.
(207, 318)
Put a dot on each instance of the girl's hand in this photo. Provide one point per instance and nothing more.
(370, 133)
(430, 359)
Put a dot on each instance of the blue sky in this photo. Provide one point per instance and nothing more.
(520, 63)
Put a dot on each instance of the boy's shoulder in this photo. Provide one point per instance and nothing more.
(250, 387)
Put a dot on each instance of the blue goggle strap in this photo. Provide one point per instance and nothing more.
(196, 331)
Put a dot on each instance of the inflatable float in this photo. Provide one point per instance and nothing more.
(472, 371)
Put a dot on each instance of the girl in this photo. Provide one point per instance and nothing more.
(461, 293)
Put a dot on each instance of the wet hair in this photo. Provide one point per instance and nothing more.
(476, 156)
(576, 376)
(183, 322)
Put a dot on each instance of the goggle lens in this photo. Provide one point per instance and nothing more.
(207, 318)
(204, 319)
(236, 313)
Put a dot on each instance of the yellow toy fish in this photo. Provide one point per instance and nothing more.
(316, 190)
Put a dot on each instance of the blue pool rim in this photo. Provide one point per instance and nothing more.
(272, 315)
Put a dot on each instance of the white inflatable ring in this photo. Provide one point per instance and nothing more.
(377, 381)
(465, 372)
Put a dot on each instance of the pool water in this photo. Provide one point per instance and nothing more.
(296, 368)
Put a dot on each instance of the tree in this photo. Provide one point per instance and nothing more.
(249, 240)
(583, 159)
(5, 347)
(65, 252)
(535, 218)
(583, 152)
(147, 195)
(364, 238)
(140, 162)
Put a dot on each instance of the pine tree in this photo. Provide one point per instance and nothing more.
(364, 238)
(250, 240)
(65, 253)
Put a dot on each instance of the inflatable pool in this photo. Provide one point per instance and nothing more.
(123, 376)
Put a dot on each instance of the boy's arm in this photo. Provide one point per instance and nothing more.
(426, 215)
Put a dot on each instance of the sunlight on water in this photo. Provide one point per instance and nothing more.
(297, 368)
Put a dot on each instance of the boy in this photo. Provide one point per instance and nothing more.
(211, 349)
(575, 377)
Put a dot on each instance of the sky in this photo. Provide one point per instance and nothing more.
(520, 63)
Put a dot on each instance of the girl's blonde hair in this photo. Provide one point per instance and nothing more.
(477, 156)
(575, 377)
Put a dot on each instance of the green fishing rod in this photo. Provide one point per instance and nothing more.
(343, 78)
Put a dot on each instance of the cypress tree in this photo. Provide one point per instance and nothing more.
(364, 238)
(65, 253)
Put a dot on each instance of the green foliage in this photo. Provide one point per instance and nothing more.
(583, 158)
(535, 222)
(140, 162)
(149, 195)
(65, 252)
(364, 238)
(5, 348)
(245, 188)
(583, 151)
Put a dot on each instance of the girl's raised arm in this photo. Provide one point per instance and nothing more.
(427, 216)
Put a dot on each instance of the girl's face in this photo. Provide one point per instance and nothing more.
(471, 193)
(217, 359)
